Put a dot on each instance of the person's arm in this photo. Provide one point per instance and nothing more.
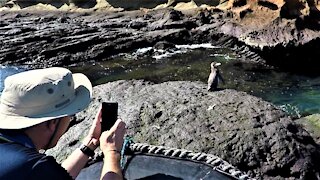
(111, 143)
(111, 166)
(77, 160)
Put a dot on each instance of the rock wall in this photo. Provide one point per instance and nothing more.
(121, 4)
(289, 9)
(137, 4)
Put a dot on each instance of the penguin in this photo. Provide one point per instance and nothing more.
(214, 77)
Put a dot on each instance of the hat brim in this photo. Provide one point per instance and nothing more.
(83, 93)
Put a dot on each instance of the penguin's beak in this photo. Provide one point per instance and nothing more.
(217, 64)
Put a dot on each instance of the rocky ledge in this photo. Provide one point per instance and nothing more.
(244, 130)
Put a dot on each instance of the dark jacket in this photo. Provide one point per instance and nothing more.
(20, 160)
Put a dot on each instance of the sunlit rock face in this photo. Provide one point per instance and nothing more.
(122, 4)
(27, 3)
(239, 8)
(288, 9)
(128, 5)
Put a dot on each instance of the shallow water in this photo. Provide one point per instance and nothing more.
(297, 94)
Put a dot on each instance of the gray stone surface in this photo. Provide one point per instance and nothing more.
(246, 131)
(57, 38)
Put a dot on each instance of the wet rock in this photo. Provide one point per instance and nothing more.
(137, 24)
(37, 38)
(246, 131)
(169, 20)
(204, 17)
(164, 45)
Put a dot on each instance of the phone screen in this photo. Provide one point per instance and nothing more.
(109, 115)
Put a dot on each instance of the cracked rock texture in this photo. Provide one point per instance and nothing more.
(60, 38)
(246, 131)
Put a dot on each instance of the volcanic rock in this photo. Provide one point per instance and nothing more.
(248, 132)
(271, 32)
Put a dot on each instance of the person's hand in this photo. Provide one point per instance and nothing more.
(112, 140)
(92, 139)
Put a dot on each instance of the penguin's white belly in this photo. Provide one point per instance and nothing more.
(211, 79)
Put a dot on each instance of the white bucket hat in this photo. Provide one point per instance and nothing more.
(36, 96)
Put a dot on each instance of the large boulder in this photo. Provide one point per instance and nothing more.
(248, 132)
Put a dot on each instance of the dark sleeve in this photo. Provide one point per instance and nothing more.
(47, 168)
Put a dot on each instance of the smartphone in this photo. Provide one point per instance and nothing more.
(109, 115)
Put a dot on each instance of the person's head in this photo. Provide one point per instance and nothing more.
(43, 98)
